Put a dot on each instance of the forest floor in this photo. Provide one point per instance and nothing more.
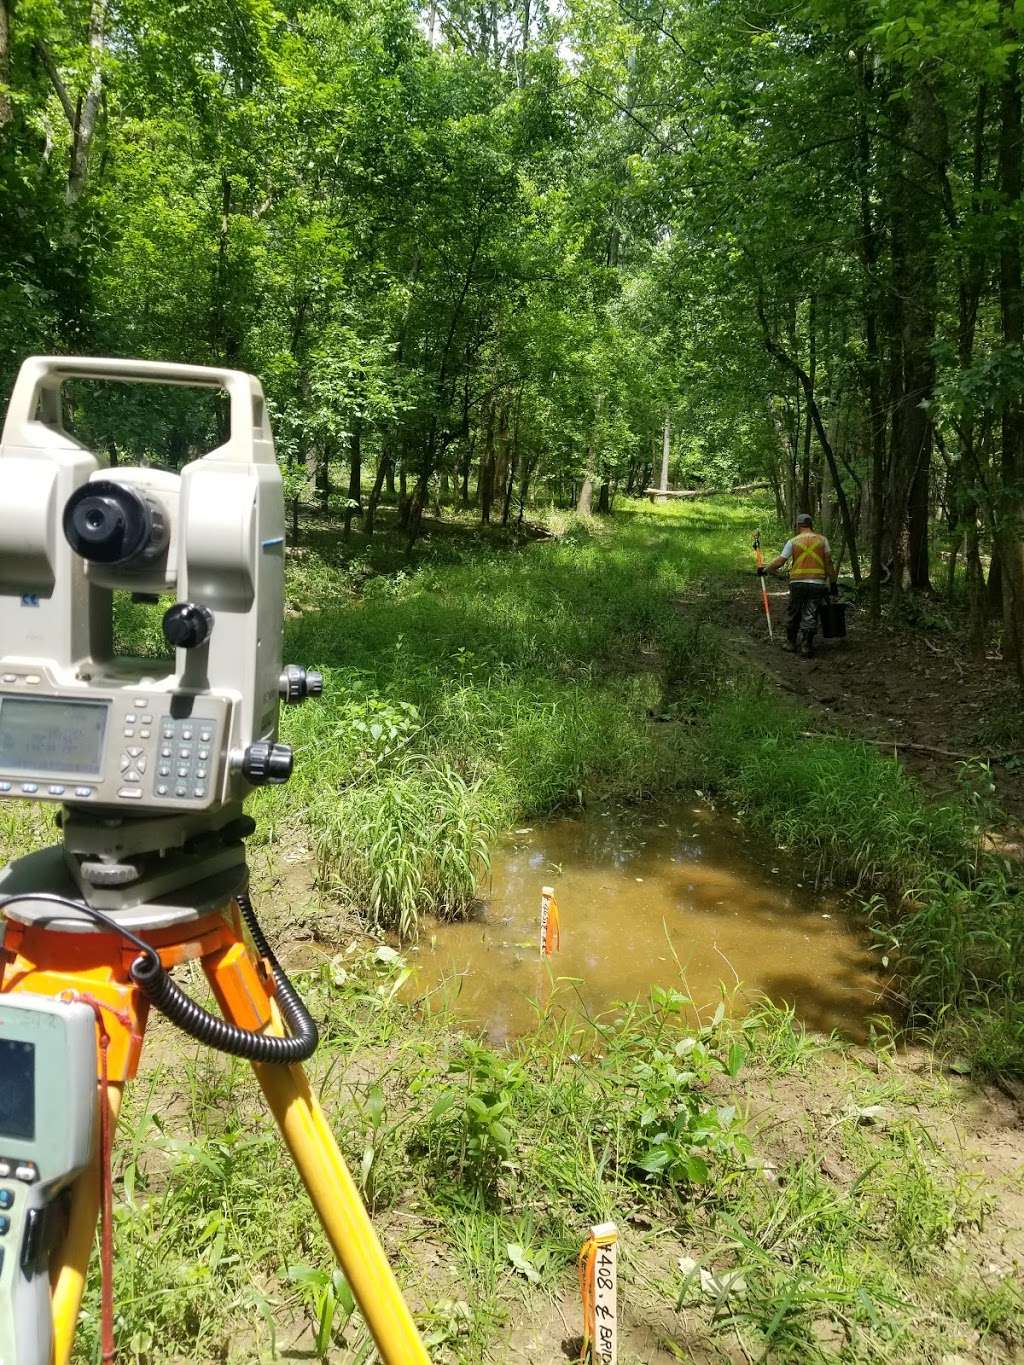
(908, 688)
(781, 1195)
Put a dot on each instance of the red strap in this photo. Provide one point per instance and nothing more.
(106, 1179)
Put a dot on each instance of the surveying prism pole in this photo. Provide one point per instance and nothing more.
(759, 557)
(149, 762)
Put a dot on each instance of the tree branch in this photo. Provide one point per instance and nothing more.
(57, 83)
(795, 368)
(624, 109)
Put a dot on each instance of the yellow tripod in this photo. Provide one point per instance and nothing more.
(94, 966)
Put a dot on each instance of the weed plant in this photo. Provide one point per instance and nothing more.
(946, 912)
(484, 1168)
(467, 696)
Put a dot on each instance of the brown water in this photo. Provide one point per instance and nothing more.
(678, 897)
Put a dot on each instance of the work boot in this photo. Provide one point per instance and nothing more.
(807, 646)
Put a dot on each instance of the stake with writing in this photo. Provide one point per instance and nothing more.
(550, 922)
(598, 1271)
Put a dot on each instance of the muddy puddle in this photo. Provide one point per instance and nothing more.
(677, 896)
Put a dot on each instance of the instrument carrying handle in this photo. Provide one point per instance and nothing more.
(34, 413)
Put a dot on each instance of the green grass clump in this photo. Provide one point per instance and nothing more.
(859, 814)
(483, 1169)
(413, 840)
(944, 910)
(477, 692)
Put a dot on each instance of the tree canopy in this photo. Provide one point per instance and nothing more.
(492, 251)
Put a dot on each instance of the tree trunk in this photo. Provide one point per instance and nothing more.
(501, 453)
(467, 465)
(994, 587)
(972, 273)
(323, 479)
(666, 448)
(90, 104)
(485, 480)
(604, 505)
(355, 474)
(82, 114)
(513, 464)
(510, 481)
(416, 506)
(870, 251)
(524, 487)
(384, 470)
(919, 123)
(773, 347)
(1011, 308)
(805, 462)
(6, 107)
(584, 504)
(977, 634)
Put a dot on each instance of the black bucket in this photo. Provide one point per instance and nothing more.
(832, 618)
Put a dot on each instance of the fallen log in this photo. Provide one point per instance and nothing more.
(655, 493)
(993, 756)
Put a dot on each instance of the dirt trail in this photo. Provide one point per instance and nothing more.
(887, 684)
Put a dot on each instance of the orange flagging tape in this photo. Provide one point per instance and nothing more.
(597, 1269)
(553, 930)
(550, 922)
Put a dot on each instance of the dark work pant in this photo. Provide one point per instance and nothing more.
(802, 612)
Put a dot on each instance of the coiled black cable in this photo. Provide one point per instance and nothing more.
(166, 995)
(157, 985)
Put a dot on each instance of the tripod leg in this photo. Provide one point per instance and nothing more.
(341, 1212)
(245, 999)
(70, 1264)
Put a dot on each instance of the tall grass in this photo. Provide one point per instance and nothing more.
(791, 1242)
(476, 693)
(945, 911)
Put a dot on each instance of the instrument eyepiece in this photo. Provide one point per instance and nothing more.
(112, 523)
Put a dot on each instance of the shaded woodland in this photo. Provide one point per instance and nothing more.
(483, 254)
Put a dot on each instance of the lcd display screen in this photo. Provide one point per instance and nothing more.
(17, 1090)
(40, 735)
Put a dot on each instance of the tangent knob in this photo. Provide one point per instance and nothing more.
(265, 763)
(296, 684)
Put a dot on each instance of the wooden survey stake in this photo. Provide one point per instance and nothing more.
(598, 1270)
(550, 922)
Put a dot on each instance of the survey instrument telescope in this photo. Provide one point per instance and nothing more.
(144, 755)
(148, 761)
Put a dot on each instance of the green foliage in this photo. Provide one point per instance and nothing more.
(678, 1133)
(778, 1040)
(471, 1122)
(922, 1211)
(330, 1299)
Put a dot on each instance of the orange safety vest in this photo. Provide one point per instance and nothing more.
(808, 557)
